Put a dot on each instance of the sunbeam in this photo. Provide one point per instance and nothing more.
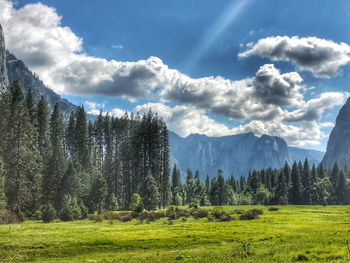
(213, 32)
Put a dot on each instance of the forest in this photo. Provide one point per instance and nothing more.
(75, 167)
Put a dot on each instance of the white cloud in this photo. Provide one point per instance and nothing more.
(117, 46)
(270, 102)
(320, 56)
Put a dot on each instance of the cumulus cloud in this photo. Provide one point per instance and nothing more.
(186, 120)
(313, 109)
(270, 102)
(320, 56)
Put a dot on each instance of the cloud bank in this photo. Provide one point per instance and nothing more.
(320, 56)
(269, 102)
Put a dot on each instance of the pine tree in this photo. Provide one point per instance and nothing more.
(3, 200)
(281, 195)
(22, 157)
(30, 102)
(44, 143)
(341, 189)
(151, 196)
(82, 139)
(296, 188)
(98, 192)
(306, 181)
(70, 183)
(57, 165)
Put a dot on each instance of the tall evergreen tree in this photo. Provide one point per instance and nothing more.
(57, 165)
(44, 143)
(22, 157)
(151, 196)
(296, 188)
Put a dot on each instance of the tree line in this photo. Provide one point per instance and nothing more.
(296, 185)
(45, 162)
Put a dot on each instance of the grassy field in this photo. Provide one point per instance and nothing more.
(294, 233)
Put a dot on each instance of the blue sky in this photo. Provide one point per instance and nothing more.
(192, 41)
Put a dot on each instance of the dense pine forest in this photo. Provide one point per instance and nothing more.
(296, 185)
(47, 165)
(73, 168)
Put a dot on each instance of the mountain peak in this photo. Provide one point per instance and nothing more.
(338, 147)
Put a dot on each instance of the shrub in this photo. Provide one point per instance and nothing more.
(48, 213)
(136, 204)
(251, 214)
(200, 213)
(21, 216)
(8, 217)
(143, 215)
(84, 210)
(37, 215)
(302, 257)
(217, 212)
(95, 217)
(273, 209)
(220, 215)
(237, 211)
(194, 205)
(124, 216)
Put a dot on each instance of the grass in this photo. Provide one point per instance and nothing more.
(291, 234)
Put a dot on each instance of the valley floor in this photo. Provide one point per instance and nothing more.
(294, 233)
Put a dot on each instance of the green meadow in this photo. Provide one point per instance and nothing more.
(291, 234)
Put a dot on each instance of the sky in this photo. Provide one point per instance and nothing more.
(218, 68)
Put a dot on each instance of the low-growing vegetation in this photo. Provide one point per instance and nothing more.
(291, 234)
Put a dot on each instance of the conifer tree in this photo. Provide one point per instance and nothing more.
(57, 165)
(296, 188)
(341, 189)
(151, 196)
(44, 143)
(22, 157)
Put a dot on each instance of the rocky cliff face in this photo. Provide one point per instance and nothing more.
(338, 147)
(233, 154)
(3, 71)
(17, 70)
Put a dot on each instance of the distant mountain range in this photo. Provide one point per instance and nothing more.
(234, 154)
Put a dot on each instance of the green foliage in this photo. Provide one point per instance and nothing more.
(136, 203)
(48, 213)
(251, 214)
(8, 217)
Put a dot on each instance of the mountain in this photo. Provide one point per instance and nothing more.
(233, 154)
(12, 68)
(299, 154)
(3, 71)
(338, 147)
(17, 70)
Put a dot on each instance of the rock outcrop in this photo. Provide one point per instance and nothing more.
(338, 147)
(3, 71)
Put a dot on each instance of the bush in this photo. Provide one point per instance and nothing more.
(237, 211)
(136, 204)
(95, 217)
(251, 214)
(194, 205)
(143, 215)
(200, 213)
(8, 217)
(220, 215)
(217, 212)
(273, 209)
(84, 210)
(37, 215)
(48, 213)
(124, 216)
